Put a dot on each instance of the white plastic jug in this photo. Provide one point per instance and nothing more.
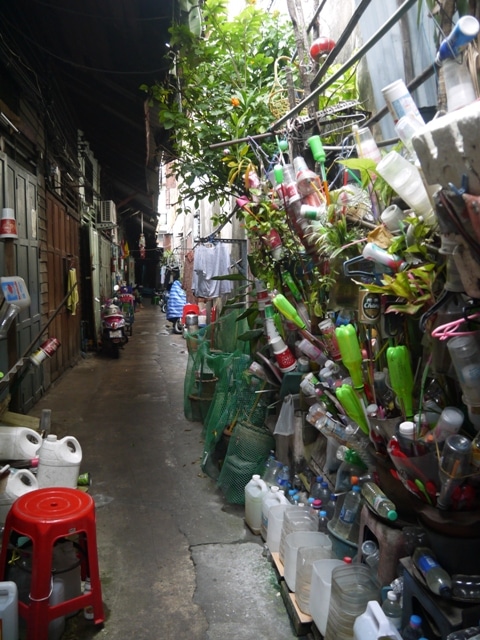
(293, 542)
(272, 497)
(320, 590)
(59, 462)
(254, 492)
(275, 524)
(18, 443)
(374, 624)
(17, 483)
(9, 610)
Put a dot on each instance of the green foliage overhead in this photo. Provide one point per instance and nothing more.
(218, 91)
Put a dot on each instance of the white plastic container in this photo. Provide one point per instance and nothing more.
(59, 462)
(293, 542)
(320, 590)
(9, 610)
(374, 624)
(17, 483)
(254, 492)
(275, 524)
(18, 443)
(272, 497)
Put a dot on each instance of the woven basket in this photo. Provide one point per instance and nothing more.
(278, 102)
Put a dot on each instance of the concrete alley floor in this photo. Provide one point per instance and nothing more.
(176, 561)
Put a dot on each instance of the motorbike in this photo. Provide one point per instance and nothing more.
(114, 327)
(177, 299)
(163, 300)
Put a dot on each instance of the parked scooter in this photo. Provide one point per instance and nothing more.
(177, 299)
(163, 300)
(114, 325)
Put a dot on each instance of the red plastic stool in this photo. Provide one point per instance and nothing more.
(45, 516)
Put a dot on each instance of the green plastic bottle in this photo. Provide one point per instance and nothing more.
(350, 351)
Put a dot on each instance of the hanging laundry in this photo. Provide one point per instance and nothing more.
(211, 260)
(73, 297)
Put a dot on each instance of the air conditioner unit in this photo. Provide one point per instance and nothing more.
(108, 212)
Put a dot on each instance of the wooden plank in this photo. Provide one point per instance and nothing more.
(278, 564)
(11, 419)
(300, 621)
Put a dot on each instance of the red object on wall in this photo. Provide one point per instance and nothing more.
(321, 47)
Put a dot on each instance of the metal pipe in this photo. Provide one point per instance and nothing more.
(366, 47)
(352, 23)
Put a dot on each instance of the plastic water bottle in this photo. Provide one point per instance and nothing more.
(371, 554)
(283, 478)
(316, 488)
(379, 502)
(392, 609)
(324, 493)
(437, 579)
(322, 521)
(466, 587)
(315, 507)
(348, 513)
(293, 496)
(331, 506)
(271, 468)
(413, 630)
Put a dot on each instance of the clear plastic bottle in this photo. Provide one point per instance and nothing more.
(392, 609)
(283, 478)
(322, 521)
(315, 507)
(379, 502)
(437, 579)
(271, 470)
(371, 554)
(316, 487)
(348, 514)
(413, 630)
(466, 587)
(324, 493)
(293, 496)
(331, 506)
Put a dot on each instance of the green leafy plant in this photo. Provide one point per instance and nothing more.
(218, 91)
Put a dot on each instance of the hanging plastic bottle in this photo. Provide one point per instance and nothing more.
(453, 467)
(379, 502)
(350, 352)
(438, 580)
(348, 514)
(401, 377)
(288, 310)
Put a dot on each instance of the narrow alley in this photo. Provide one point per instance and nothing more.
(176, 561)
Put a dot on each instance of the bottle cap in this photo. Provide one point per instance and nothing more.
(415, 621)
(392, 515)
(391, 595)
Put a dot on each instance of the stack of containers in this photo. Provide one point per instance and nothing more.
(296, 541)
(305, 558)
(353, 587)
(295, 518)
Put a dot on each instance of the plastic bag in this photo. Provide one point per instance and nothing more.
(285, 425)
